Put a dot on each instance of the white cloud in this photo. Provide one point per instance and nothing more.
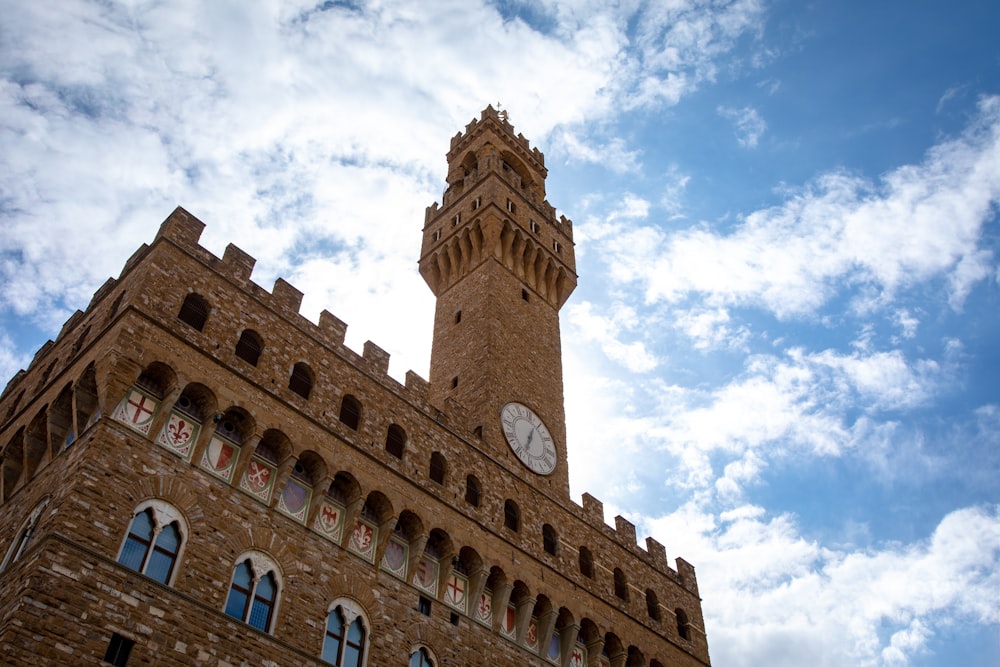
(771, 596)
(750, 127)
(607, 332)
(922, 222)
(710, 328)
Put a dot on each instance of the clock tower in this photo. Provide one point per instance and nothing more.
(501, 265)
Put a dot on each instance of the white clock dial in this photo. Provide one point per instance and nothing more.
(528, 438)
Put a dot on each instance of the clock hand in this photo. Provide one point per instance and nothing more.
(531, 436)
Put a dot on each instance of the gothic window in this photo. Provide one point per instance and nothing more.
(421, 658)
(549, 539)
(301, 380)
(194, 311)
(534, 226)
(344, 643)
(438, 468)
(621, 585)
(652, 604)
(249, 346)
(395, 441)
(24, 535)
(150, 547)
(557, 247)
(253, 592)
(472, 490)
(350, 412)
(586, 563)
(683, 627)
(511, 516)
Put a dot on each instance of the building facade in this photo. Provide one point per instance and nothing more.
(195, 474)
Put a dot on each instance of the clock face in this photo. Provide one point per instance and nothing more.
(528, 438)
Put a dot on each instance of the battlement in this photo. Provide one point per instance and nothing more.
(489, 116)
(184, 230)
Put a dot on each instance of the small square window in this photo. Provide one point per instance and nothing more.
(454, 618)
(424, 606)
(454, 382)
(119, 649)
(458, 316)
(524, 294)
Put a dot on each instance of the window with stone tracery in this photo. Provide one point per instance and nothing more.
(346, 638)
(154, 541)
(421, 658)
(253, 592)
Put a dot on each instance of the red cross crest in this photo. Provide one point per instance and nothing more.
(138, 410)
(456, 590)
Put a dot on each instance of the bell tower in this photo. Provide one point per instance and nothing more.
(501, 265)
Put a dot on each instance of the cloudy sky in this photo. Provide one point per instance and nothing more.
(782, 357)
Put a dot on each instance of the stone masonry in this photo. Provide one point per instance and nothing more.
(307, 460)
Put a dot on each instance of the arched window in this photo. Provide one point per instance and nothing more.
(194, 311)
(511, 516)
(683, 627)
(345, 639)
(652, 604)
(621, 585)
(421, 658)
(253, 592)
(395, 441)
(23, 538)
(301, 380)
(153, 543)
(438, 468)
(586, 563)
(249, 346)
(350, 412)
(550, 541)
(472, 490)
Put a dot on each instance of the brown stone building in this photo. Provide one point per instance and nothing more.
(195, 474)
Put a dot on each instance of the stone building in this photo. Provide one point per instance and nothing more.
(193, 473)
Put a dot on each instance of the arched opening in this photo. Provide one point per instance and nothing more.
(301, 380)
(395, 440)
(194, 311)
(586, 563)
(652, 604)
(511, 515)
(683, 626)
(621, 585)
(350, 412)
(473, 490)
(550, 540)
(250, 346)
(438, 468)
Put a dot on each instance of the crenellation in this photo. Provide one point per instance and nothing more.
(237, 264)
(593, 509)
(332, 329)
(625, 532)
(134, 259)
(416, 385)
(103, 290)
(658, 553)
(70, 323)
(377, 358)
(181, 228)
(287, 297)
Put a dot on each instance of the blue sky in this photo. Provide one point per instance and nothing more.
(781, 357)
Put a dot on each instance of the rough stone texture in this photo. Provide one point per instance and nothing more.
(65, 594)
